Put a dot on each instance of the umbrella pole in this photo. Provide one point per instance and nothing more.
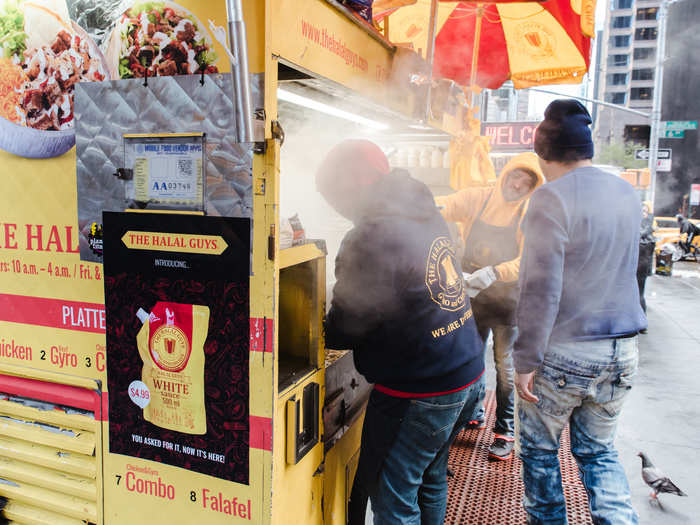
(430, 54)
(476, 48)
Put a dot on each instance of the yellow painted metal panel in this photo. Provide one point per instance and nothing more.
(299, 254)
(317, 37)
(79, 441)
(48, 478)
(49, 376)
(52, 417)
(49, 457)
(49, 500)
(160, 135)
(337, 481)
(254, 16)
(29, 515)
(297, 489)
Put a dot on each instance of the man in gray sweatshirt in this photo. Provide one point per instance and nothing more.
(578, 317)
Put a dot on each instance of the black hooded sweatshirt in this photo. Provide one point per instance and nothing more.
(399, 300)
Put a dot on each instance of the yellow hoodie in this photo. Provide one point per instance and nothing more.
(463, 208)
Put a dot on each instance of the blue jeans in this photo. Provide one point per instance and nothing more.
(584, 384)
(503, 340)
(412, 484)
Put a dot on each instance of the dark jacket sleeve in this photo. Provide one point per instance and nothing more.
(646, 231)
(366, 291)
(541, 274)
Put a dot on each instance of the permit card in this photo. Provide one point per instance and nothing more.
(168, 170)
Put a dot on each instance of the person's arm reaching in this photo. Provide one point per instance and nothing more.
(365, 293)
(541, 274)
(463, 205)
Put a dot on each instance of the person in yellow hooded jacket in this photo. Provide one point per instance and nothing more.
(489, 222)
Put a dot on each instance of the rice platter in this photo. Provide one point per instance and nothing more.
(43, 54)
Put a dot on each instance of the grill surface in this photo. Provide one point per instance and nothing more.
(490, 492)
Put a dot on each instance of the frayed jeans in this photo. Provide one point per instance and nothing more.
(412, 484)
(583, 384)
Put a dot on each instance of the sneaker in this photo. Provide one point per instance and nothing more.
(476, 424)
(502, 448)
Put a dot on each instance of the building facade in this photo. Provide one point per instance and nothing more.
(627, 69)
(506, 104)
(680, 101)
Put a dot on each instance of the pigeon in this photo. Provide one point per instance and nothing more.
(657, 480)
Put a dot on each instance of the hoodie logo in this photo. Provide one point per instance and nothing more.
(442, 277)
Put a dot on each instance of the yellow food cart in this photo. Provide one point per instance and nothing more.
(69, 452)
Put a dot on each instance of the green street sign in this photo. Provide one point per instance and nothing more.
(679, 124)
(672, 134)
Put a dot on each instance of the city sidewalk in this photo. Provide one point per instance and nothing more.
(662, 415)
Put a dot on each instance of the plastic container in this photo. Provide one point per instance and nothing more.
(412, 161)
(436, 159)
(425, 157)
(402, 158)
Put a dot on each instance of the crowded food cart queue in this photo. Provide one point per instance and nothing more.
(167, 354)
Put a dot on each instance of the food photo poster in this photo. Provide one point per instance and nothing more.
(47, 47)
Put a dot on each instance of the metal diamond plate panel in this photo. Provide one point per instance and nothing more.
(485, 492)
(105, 111)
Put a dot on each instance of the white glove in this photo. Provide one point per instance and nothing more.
(480, 280)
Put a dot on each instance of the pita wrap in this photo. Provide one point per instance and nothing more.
(43, 20)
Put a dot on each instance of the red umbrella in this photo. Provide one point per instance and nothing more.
(485, 43)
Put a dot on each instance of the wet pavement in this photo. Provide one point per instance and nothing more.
(662, 415)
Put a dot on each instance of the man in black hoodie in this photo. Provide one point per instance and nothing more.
(399, 303)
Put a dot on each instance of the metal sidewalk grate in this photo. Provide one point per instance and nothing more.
(485, 492)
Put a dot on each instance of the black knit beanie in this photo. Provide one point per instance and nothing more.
(564, 134)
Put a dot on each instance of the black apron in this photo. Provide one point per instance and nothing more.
(489, 245)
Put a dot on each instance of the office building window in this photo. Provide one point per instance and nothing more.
(645, 33)
(617, 79)
(645, 53)
(622, 4)
(622, 21)
(615, 98)
(647, 13)
(618, 60)
(643, 74)
(621, 41)
(645, 93)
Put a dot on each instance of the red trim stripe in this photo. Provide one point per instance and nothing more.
(399, 393)
(261, 334)
(65, 395)
(260, 433)
(54, 313)
(104, 415)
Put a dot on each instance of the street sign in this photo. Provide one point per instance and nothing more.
(644, 154)
(663, 162)
(671, 133)
(695, 194)
(679, 124)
